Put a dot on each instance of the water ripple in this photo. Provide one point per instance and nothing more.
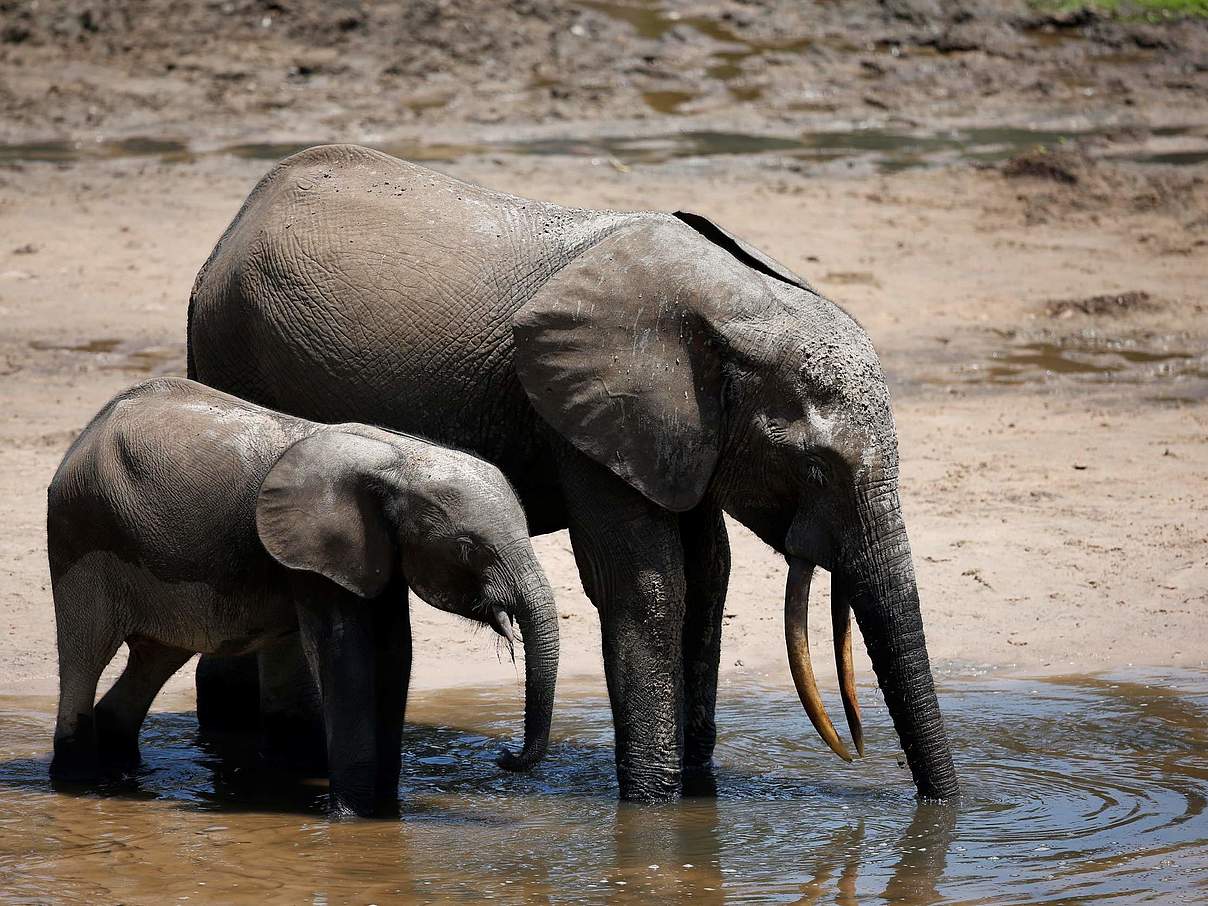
(1076, 789)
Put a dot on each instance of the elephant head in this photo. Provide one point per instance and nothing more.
(363, 510)
(689, 364)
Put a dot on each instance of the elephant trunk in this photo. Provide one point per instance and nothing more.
(537, 616)
(877, 583)
(880, 589)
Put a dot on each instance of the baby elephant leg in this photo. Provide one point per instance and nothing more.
(359, 654)
(228, 694)
(120, 713)
(291, 719)
(88, 638)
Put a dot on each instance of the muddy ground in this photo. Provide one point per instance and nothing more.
(303, 70)
(1042, 315)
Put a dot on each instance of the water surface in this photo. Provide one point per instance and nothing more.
(1077, 789)
(880, 149)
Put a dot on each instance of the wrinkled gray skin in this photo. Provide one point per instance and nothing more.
(633, 375)
(184, 520)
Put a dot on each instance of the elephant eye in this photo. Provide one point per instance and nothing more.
(777, 428)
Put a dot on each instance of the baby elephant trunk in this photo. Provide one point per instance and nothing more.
(537, 616)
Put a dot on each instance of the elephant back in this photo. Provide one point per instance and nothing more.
(353, 286)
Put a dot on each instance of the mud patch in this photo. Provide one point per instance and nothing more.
(1080, 183)
(113, 353)
(1043, 163)
(1086, 357)
(1110, 304)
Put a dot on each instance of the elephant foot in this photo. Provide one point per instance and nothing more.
(117, 746)
(293, 744)
(75, 760)
(700, 781)
(382, 810)
(649, 786)
(354, 795)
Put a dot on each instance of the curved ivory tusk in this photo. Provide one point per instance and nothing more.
(841, 625)
(501, 622)
(796, 636)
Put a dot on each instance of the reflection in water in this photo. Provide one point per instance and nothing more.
(1076, 789)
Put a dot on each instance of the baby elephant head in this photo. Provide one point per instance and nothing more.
(365, 509)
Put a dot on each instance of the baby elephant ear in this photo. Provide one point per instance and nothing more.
(318, 510)
(619, 354)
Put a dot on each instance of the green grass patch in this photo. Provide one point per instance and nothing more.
(1132, 9)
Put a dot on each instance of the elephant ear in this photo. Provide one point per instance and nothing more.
(742, 250)
(619, 353)
(318, 510)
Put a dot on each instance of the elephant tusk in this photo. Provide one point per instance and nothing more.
(501, 622)
(841, 625)
(796, 635)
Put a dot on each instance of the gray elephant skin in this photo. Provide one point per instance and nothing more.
(634, 375)
(184, 520)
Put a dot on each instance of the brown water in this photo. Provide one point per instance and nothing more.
(730, 61)
(1088, 358)
(113, 353)
(1077, 789)
(885, 150)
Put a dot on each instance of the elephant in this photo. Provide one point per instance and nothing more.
(635, 375)
(185, 520)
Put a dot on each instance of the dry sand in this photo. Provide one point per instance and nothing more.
(1059, 520)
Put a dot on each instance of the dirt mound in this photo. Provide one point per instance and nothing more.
(1042, 163)
(1111, 304)
(1068, 183)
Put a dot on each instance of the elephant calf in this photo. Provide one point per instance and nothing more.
(185, 520)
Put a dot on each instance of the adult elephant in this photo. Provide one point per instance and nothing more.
(634, 375)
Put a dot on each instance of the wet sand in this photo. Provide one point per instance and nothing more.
(1053, 442)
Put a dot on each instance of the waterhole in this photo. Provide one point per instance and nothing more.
(1077, 789)
(1088, 358)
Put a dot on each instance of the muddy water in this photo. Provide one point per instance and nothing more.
(113, 353)
(1091, 359)
(880, 149)
(1078, 789)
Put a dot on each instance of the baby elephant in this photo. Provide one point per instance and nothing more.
(185, 520)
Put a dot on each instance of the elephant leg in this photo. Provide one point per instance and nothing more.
(631, 562)
(707, 575)
(337, 630)
(392, 666)
(87, 642)
(291, 718)
(228, 694)
(121, 711)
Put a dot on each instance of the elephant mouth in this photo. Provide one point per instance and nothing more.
(796, 632)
